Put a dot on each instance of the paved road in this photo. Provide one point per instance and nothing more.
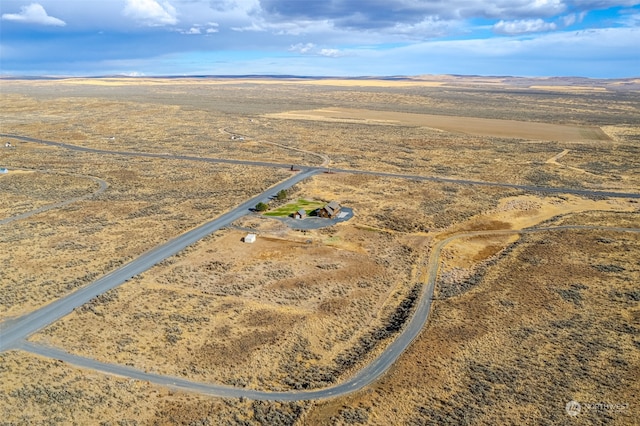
(530, 188)
(144, 154)
(325, 158)
(364, 377)
(13, 333)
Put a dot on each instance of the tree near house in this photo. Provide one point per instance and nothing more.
(262, 207)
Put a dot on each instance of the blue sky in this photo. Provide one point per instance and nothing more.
(589, 38)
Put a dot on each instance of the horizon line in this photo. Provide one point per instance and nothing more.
(296, 76)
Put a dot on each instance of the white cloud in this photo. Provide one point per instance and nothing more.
(602, 4)
(630, 19)
(192, 30)
(34, 14)
(312, 49)
(254, 27)
(427, 28)
(150, 12)
(303, 48)
(280, 28)
(213, 27)
(208, 28)
(336, 36)
(331, 53)
(569, 20)
(590, 53)
(523, 26)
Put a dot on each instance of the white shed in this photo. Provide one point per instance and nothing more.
(250, 238)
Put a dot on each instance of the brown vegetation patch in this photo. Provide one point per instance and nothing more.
(236, 350)
(52, 253)
(541, 329)
(249, 312)
(44, 391)
(488, 251)
(462, 255)
(485, 225)
(301, 310)
(24, 191)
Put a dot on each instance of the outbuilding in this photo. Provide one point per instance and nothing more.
(250, 238)
(300, 214)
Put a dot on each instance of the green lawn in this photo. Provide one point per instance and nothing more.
(290, 208)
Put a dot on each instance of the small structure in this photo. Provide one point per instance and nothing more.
(330, 211)
(8, 145)
(300, 214)
(4, 170)
(250, 238)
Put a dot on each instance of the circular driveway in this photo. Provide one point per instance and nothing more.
(312, 222)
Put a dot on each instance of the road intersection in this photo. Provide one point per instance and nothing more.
(15, 332)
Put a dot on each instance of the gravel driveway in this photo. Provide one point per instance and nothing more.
(311, 222)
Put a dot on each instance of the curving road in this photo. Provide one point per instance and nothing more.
(440, 179)
(325, 158)
(13, 333)
(364, 377)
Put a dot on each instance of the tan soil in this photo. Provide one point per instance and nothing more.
(516, 213)
(468, 125)
(513, 349)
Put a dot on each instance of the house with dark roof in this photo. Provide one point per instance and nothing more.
(300, 214)
(330, 211)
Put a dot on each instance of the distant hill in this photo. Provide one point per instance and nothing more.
(542, 83)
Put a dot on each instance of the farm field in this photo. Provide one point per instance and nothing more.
(520, 325)
(466, 125)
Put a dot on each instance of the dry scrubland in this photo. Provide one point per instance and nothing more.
(555, 321)
(135, 115)
(148, 202)
(295, 310)
(44, 391)
(137, 125)
(24, 191)
(520, 325)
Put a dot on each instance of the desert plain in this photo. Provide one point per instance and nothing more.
(521, 194)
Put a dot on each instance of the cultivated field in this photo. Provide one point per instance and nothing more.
(466, 125)
(520, 324)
